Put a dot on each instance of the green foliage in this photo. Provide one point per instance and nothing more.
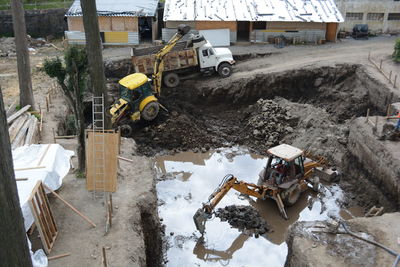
(396, 53)
(73, 72)
(80, 175)
(70, 125)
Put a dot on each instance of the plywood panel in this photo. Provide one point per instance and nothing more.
(118, 24)
(105, 24)
(296, 25)
(131, 24)
(116, 37)
(94, 170)
(75, 24)
(209, 25)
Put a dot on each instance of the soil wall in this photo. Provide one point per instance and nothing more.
(39, 23)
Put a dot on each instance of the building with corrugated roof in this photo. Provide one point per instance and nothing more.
(255, 20)
(121, 22)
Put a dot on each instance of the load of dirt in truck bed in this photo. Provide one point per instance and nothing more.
(245, 218)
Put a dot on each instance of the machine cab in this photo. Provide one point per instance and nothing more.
(285, 164)
(134, 88)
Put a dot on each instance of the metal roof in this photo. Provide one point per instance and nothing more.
(286, 152)
(252, 10)
(121, 8)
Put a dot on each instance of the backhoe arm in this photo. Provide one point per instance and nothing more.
(228, 182)
(159, 57)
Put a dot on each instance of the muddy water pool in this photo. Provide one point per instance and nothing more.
(185, 180)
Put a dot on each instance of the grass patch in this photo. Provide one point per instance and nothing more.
(38, 4)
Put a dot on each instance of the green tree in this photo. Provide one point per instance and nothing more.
(396, 53)
(72, 78)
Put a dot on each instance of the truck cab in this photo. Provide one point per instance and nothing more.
(215, 59)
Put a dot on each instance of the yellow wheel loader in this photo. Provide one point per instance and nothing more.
(287, 174)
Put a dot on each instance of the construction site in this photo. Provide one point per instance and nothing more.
(278, 152)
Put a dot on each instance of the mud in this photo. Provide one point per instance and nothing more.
(245, 218)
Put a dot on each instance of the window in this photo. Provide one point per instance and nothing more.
(394, 16)
(375, 16)
(354, 16)
(205, 53)
(210, 51)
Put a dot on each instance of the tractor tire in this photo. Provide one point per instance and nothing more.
(292, 195)
(225, 70)
(171, 80)
(150, 111)
(126, 130)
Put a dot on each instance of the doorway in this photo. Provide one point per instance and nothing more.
(145, 29)
(243, 31)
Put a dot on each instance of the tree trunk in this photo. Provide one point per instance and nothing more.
(94, 52)
(13, 244)
(23, 63)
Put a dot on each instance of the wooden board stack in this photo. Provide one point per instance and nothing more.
(23, 127)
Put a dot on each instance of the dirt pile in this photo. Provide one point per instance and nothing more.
(7, 45)
(245, 218)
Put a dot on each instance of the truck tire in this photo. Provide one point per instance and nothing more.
(171, 80)
(292, 195)
(225, 70)
(150, 111)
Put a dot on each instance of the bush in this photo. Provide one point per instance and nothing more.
(396, 53)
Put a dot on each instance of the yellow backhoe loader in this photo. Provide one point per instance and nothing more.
(288, 172)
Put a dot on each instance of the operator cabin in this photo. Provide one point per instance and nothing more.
(228, 21)
(121, 22)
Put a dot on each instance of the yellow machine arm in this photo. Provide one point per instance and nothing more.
(159, 58)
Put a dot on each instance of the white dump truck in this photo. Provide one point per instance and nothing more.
(184, 61)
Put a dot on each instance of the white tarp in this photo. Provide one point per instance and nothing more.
(56, 163)
(219, 37)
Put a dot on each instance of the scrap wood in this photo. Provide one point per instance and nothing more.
(20, 138)
(58, 256)
(125, 159)
(21, 179)
(13, 130)
(65, 137)
(32, 130)
(70, 206)
(43, 155)
(11, 108)
(30, 168)
(18, 113)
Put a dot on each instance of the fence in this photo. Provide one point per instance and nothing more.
(388, 75)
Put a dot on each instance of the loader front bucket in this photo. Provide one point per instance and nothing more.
(200, 219)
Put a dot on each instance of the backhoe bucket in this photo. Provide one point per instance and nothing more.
(200, 219)
(183, 29)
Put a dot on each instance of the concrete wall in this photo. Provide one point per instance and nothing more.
(370, 6)
(39, 23)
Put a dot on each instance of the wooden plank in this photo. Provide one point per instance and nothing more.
(125, 159)
(70, 206)
(43, 155)
(11, 108)
(31, 131)
(58, 256)
(21, 179)
(18, 113)
(13, 130)
(30, 168)
(44, 219)
(20, 138)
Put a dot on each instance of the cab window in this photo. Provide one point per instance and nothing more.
(210, 51)
(205, 53)
(298, 164)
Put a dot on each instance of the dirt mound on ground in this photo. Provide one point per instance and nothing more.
(245, 218)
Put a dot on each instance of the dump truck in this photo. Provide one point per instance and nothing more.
(183, 61)
(288, 172)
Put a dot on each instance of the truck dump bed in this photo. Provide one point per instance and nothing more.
(178, 58)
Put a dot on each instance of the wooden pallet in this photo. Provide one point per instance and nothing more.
(44, 218)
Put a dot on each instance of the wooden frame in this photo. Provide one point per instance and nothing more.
(44, 218)
(111, 148)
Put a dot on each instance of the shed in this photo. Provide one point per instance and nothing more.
(121, 22)
(258, 20)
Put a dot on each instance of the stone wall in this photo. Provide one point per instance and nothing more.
(39, 23)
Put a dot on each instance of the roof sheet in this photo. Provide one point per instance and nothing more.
(129, 8)
(286, 152)
(252, 10)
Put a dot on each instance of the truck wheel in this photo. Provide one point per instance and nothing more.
(171, 80)
(225, 70)
(150, 111)
(292, 195)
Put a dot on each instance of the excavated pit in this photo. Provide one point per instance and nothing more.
(311, 108)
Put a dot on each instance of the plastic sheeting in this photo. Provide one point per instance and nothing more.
(56, 163)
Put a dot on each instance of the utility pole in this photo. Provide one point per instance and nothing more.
(13, 244)
(23, 63)
(94, 52)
